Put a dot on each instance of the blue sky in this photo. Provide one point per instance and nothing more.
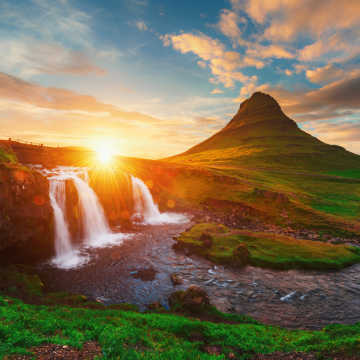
(151, 79)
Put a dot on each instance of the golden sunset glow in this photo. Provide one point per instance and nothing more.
(104, 155)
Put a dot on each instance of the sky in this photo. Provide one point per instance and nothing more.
(151, 79)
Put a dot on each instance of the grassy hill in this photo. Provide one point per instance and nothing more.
(260, 135)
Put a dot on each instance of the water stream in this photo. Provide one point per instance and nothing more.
(111, 266)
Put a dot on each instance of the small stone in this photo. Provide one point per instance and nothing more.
(176, 279)
(221, 248)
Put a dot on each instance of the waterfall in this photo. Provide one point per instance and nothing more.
(93, 218)
(94, 224)
(63, 245)
(144, 205)
(143, 201)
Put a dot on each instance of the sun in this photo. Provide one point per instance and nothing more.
(104, 155)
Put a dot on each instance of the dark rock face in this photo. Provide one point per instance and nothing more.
(114, 190)
(26, 215)
(72, 209)
(266, 194)
(195, 297)
(240, 254)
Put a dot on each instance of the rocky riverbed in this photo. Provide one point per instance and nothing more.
(139, 271)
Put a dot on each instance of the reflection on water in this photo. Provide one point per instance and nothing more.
(302, 299)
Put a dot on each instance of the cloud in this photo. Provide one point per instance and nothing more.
(270, 51)
(343, 132)
(216, 91)
(329, 28)
(16, 89)
(223, 64)
(49, 59)
(139, 24)
(228, 26)
(287, 20)
(48, 37)
(336, 100)
(124, 89)
(202, 64)
(324, 74)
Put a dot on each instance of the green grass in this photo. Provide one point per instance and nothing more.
(351, 173)
(270, 250)
(7, 155)
(129, 335)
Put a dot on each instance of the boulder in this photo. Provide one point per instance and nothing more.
(155, 305)
(240, 255)
(176, 279)
(195, 297)
(267, 194)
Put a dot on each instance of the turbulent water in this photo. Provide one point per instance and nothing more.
(114, 267)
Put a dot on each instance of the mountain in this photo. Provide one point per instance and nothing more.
(261, 135)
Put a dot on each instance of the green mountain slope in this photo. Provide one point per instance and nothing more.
(261, 135)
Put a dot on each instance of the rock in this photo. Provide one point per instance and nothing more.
(155, 305)
(195, 297)
(176, 279)
(221, 248)
(175, 296)
(240, 255)
(206, 236)
(267, 194)
(232, 356)
(26, 216)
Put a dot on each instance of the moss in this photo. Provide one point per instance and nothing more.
(269, 250)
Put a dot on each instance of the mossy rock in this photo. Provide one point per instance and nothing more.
(241, 255)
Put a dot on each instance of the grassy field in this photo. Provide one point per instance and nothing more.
(269, 250)
(124, 333)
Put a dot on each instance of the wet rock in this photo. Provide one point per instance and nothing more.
(155, 305)
(175, 296)
(176, 279)
(240, 255)
(195, 297)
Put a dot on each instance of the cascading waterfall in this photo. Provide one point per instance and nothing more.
(94, 224)
(143, 201)
(144, 205)
(63, 245)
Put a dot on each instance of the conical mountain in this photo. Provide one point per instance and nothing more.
(261, 135)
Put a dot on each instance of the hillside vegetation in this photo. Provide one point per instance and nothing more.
(261, 136)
